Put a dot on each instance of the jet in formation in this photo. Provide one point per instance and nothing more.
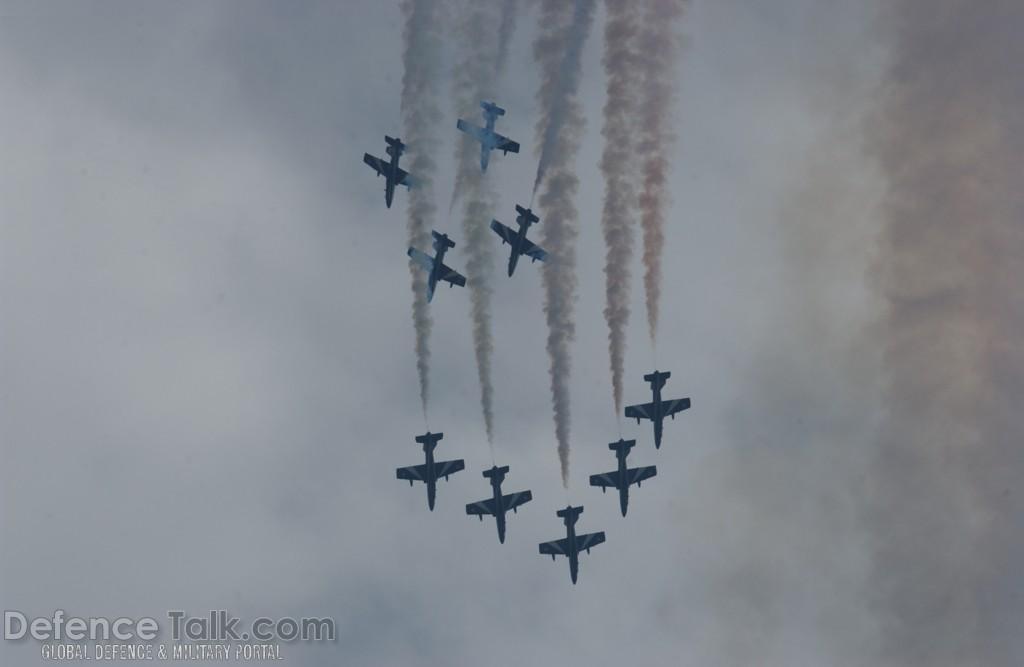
(573, 544)
(435, 267)
(431, 470)
(659, 408)
(393, 174)
(622, 478)
(488, 138)
(517, 239)
(498, 505)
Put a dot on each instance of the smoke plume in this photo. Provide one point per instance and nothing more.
(562, 31)
(657, 56)
(479, 61)
(617, 220)
(947, 502)
(558, 48)
(421, 57)
(509, 14)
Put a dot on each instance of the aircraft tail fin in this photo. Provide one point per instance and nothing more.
(530, 216)
(622, 445)
(570, 513)
(395, 146)
(657, 378)
(429, 437)
(492, 108)
(491, 472)
(443, 238)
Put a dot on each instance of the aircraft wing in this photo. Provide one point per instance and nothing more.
(505, 144)
(452, 276)
(482, 507)
(585, 542)
(426, 262)
(472, 130)
(376, 163)
(514, 500)
(555, 548)
(534, 252)
(637, 475)
(641, 411)
(445, 468)
(674, 406)
(412, 473)
(402, 177)
(606, 480)
(507, 235)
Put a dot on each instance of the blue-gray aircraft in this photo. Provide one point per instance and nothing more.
(517, 239)
(434, 266)
(573, 544)
(622, 478)
(431, 470)
(659, 408)
(488, 138)
(393, 175)
(498, 505)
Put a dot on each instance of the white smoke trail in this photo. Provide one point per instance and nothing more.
(617, 164)
(507, 27)
(660, 47)
(478, 66)
(558, 48)
(422, 39)
(562, 32)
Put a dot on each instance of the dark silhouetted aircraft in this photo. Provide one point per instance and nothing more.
(488, 138)
(434, 266)
(393, 175)
(573, 543)
(431, 470)
(622, 478)
(498, 505)
(657, 409)
(517, 239)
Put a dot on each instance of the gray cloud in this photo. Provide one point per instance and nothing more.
(207, 378)
(945, 513)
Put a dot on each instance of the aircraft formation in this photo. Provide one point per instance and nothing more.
(431, 470)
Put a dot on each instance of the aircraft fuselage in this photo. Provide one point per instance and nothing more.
(574, 553)
(435, 272)
(499, 504)
(623, 486)
(488, 143)
(390, 180)
(431, 480)
(517, 247)
(659, 416)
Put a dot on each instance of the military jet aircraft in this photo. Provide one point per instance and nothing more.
(573, 543)
(622, 478)
(431, 470)
(434, 266)
(488, 138)
(517, 239)
(498, 505)
(393, 175)
(658, 409)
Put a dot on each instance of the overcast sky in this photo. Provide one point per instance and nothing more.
(208, 378)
